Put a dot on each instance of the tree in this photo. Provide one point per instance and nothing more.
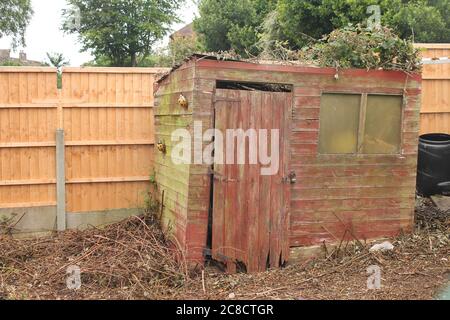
(57, 60)
(120, 30)
(253, 26)
(426, 20)
(15, 15)
(225, 25)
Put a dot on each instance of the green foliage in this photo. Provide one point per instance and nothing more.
(251, 26)
(152, 206)
(172, 54)
(360, 47)
(426, 20)
(225, 25)
(15, 15)
(58, 61)
(120, 31)
(11, 63)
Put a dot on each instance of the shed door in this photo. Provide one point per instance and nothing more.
(251, 211)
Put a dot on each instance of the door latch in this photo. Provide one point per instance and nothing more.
(291, 178)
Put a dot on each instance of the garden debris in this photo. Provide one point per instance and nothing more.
(128, 260)
(134, 260)
(385, 246)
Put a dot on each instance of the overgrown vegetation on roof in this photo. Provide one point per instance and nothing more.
(360, 47)
(350, 47)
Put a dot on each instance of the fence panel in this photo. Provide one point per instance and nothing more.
(106, 115)
(28, 108)
(435, 113)
(109, 137)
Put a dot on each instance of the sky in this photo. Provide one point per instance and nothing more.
(44, 35)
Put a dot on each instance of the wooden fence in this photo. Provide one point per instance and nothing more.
(98, 130)
(435, 113)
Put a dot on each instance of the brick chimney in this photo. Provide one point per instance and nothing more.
(22, 56)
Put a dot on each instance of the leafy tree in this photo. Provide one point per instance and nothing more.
(426, 20)
(15, 15)
(225, 25)
(122, 31)
(57, 60)
(173, 54)
(252, 26)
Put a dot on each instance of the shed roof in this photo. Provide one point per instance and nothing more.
(282, 66)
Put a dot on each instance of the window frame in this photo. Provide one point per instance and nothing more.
(362, 123)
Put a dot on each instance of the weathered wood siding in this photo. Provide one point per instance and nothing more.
(173, 179)
(435, 113)
(371, 196)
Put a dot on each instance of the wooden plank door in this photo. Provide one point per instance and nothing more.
(251, 211)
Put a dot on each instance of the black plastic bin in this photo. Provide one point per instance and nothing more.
(433, 175)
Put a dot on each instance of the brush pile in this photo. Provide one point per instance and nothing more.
(128, 260)
(134, 260)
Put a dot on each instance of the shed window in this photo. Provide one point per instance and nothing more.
(339, 122)
(360, 124)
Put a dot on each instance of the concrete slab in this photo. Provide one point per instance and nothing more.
(84, 220)
(29, 220)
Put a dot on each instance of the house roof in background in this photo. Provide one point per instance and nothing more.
(185, 32)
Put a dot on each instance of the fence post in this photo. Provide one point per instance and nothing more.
(60, 181)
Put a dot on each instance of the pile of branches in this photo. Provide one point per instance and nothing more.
(349, 47)
(417, 268)
(129, 260)
(361, 47)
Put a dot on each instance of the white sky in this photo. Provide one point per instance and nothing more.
(44, 34)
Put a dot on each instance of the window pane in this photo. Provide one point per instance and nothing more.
(339, 123)
(383, 125)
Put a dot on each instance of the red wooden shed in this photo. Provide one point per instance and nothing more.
(347, 142)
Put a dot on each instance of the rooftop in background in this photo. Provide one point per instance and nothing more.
(5, 58)
(186, 32)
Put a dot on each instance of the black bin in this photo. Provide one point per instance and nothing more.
(433, 176)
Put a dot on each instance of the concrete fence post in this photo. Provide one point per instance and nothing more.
(60, 181)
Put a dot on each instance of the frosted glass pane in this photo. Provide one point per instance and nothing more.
(339, 123)
(383, 125)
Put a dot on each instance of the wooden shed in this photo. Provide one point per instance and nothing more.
(348, 144)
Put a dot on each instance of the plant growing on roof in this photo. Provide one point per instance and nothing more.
(360, 47)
